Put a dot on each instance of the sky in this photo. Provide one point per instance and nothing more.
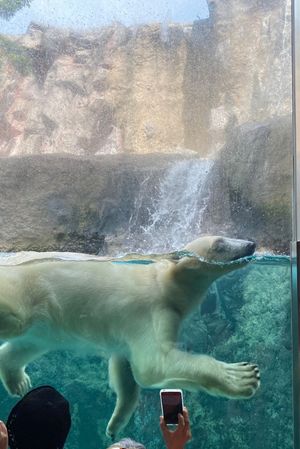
(86, 14)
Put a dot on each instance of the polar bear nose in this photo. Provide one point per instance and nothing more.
(251, 247)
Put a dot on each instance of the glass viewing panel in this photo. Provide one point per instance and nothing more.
(135, 128)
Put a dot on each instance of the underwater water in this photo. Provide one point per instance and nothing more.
(246, 317)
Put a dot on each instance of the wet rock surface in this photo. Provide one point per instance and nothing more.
(251, 185)
(68, 203)
(92, 205)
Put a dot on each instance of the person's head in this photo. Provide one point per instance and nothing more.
(40, 420)
(126, 443)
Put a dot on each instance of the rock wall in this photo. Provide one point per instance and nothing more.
(68, 203)
(251, 185)
(145, 89)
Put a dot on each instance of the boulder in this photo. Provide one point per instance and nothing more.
(251, 184)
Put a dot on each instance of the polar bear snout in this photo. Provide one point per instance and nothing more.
(245, 248)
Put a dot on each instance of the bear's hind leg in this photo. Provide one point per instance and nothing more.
(122, 382)
(14, 356)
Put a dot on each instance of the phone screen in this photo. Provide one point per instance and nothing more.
(171, 405)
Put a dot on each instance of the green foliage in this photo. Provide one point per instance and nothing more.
(8, 8)
(15, 54)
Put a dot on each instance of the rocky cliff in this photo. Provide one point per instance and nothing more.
(81, 113)
(147, 88)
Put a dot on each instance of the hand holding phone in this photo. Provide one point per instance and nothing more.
(171, 404)
(177, 439)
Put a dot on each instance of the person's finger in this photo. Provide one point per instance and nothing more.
(186, 417)
(185, 414)
(162, 424)
(3, 429)
(3, 436)
(180, 421)
(162, 421)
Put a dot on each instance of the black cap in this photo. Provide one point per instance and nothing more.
(40, 420)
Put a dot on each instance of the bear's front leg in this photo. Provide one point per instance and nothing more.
(14, 356)
(177, 369)
(122, 382)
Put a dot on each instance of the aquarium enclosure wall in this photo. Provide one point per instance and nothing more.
(128, 130)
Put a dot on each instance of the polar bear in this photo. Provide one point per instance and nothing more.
(126, 311)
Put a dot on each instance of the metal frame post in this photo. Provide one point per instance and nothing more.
(295, 246)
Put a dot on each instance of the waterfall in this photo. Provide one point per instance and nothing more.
(173, 216)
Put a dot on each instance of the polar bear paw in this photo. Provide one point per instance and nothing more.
(116, 423)
(111, 431)
(16, 382)
(236, 380)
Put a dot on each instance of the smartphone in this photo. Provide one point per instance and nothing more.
(171, 404)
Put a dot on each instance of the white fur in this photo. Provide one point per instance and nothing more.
(129, 312)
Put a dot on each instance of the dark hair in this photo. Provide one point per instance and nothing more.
(40, 420)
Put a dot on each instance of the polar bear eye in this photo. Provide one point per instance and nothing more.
(219, 246)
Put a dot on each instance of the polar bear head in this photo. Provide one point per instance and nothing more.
(211, 257)
(220, 249)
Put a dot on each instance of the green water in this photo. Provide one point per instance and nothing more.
(246, 317)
